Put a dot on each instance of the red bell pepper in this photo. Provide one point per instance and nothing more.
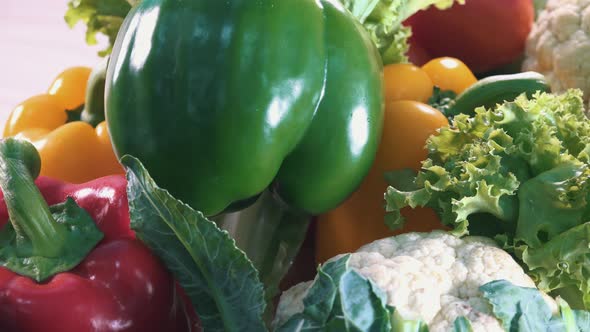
(114, 284)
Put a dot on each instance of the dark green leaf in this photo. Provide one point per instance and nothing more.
(364, 305)
(221, 282)
(442, 101)
(320, 300)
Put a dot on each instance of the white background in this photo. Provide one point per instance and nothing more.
(36, 45)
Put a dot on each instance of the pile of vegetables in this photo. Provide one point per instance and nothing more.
(71, 150)
(171, 188)
(517, 172)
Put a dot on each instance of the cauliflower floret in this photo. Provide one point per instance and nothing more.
(434, 277)
(475, 309)
(292, 301)
(559, 44)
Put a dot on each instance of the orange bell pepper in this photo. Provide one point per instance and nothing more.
(71, 150)
(407, 125)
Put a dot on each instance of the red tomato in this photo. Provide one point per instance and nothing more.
(485, 34)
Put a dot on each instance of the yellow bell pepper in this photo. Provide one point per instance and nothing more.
(408, 123)
(72, 151)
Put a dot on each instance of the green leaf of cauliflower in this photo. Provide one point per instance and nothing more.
(425, 281)
(524, 309)
(462, 324)
(221, 282)
(340, 299)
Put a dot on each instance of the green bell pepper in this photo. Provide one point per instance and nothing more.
(223, 99)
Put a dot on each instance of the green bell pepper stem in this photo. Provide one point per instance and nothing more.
(271, 234)
(93, 112)
(29, 213)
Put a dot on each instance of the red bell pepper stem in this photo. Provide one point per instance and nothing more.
(29, 213)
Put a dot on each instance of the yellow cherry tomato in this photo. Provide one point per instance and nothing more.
(70, 151)
(360, 219)
(108, 162)
(41, 111)
(74, 152)
(70, 87)
(449, 74)
(404, 81)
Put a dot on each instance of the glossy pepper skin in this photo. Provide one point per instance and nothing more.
(72, 151)
(408, 123)
(222, 99)
(119, 286)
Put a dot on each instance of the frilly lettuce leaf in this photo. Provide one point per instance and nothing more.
(520, 173)
(100, 16)
(383, 20)
(562, 263)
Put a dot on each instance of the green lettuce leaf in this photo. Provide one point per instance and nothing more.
(383, 20)
(519, 172)
(221, 282)
(100, 16)
(563, 263)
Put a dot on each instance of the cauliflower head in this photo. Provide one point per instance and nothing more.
(559, 43)
(433, 277)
